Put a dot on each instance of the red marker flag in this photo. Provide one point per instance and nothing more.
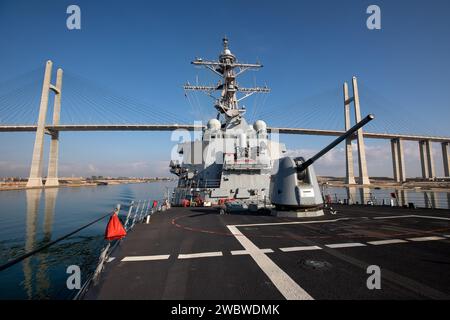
(114, 229)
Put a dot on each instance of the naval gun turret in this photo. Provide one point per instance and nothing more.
(295, 190)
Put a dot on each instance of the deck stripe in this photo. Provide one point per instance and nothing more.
(391, 241)
(345, 245)
(147, 258)
(426, 238)
(200, 255)
(339, 219)
(287, 287)
(306, 248)
(431, 217)
(242, 252)
(290, 222)
(396, 217)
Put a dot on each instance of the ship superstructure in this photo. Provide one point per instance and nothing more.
(233, 159)
(196, 253)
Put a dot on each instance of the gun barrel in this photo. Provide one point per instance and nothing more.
(347, 134)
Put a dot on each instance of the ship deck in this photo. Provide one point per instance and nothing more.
(196, 253)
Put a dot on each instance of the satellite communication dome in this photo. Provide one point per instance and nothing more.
(259, 125)
(214, 124)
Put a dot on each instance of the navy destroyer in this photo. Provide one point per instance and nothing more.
(235, 163)
(248, 222)
(233, 159)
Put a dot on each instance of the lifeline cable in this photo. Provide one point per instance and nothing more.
(26, 255)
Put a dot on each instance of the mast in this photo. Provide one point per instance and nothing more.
(228, 68)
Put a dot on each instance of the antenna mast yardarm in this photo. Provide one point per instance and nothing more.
(228, 69)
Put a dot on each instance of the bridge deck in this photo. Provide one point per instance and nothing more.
(189, 253)
(162, 127)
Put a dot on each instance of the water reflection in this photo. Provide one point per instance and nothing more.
(50, 204)
(448, 200)
(429, 199)
(365, 195)
(351, 195)
(42, 215)
(42, 277)
(402, 197)
(33, 197)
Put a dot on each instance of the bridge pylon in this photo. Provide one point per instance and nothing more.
(446, 159)
(349, 171)
(52, 175)
(363, 175)
(35, 178)
(398, 160)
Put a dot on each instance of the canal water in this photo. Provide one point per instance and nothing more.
(32, 218)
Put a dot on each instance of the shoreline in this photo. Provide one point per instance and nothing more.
(376, 183)
(22, 185)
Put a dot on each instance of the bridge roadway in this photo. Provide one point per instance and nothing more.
(171, 127)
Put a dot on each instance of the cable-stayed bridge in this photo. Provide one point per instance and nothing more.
(18, 113)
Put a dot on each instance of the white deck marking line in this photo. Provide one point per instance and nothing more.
(110, 259)
(242, 252)
(447, 235)
(432, 238)
(336, 220)
(147, 258)
(395, 217)
(290, 222)
(287, 287)
(431, 217)
(412, 216)
(391, 241)
(305, 248)
(345, 245)
(200, 255)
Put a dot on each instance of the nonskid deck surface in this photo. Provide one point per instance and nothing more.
(195, 253)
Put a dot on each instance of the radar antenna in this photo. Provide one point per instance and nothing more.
(228, 68)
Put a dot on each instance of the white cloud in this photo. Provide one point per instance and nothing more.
(91, 168)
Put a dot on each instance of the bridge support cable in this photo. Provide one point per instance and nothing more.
(112, 104)
(16, 106)
(103, 109)
(401, 119)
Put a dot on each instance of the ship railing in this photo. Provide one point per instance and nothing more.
(245, 166)
(402, 198)
(139, 211)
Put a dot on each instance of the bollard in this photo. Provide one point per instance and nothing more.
(148, 219)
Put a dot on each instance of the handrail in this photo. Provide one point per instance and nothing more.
(105, 253)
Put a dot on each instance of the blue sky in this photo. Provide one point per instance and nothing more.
(143, 49)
